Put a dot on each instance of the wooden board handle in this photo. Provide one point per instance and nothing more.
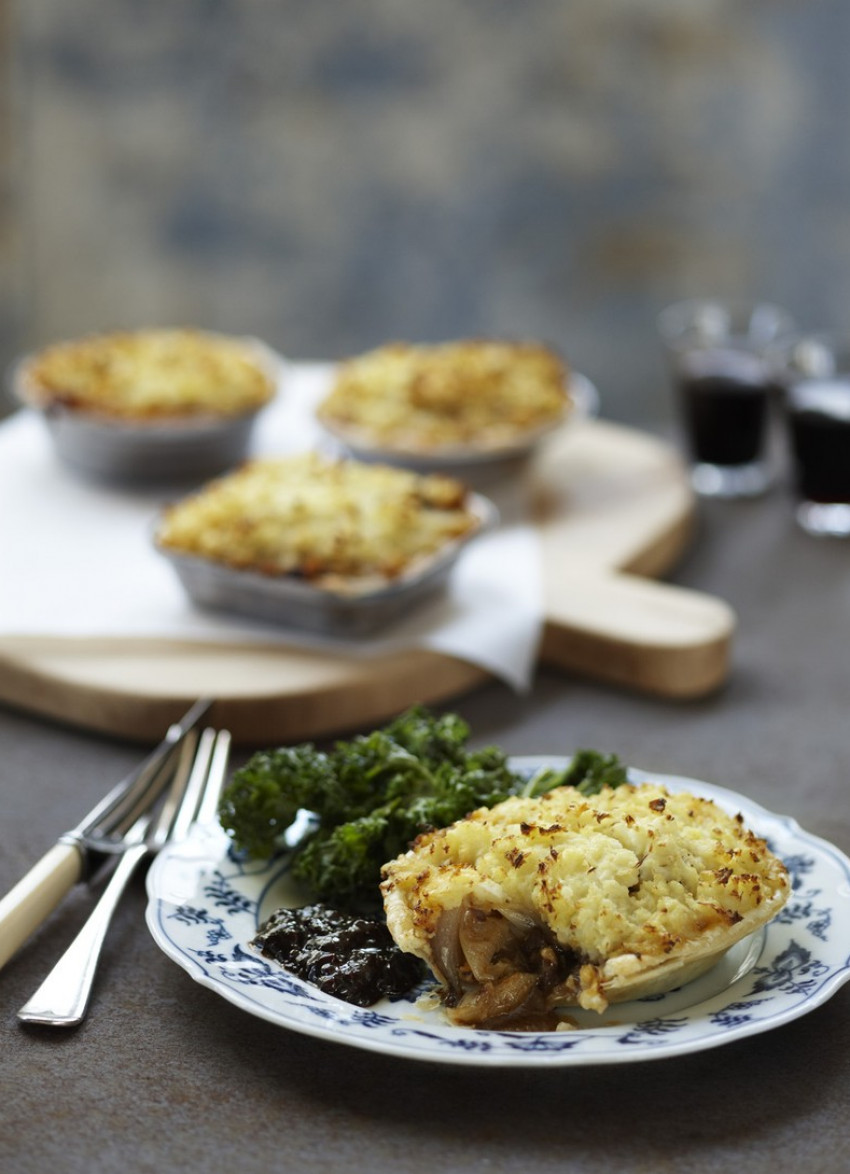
(632, 631)
(36, 895)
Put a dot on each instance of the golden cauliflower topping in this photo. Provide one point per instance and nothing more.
(320, 519)
(418, 399)
(150, 374)
(559, 900)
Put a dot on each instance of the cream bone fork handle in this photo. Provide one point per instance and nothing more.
(62, 999)
(80, 852)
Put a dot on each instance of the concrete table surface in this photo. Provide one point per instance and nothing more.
(166, 1075)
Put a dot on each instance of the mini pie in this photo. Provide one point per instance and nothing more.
(149, 375)
(478, 395)
(563, 900)
(340, 524)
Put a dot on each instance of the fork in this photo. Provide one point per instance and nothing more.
(62, 999)
(81, 852)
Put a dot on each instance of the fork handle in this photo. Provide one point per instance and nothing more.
(63, 997)
(36, 895)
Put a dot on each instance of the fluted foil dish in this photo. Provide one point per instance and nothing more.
(463, 460)
(339, 607)
(157, 450)
(453, 407)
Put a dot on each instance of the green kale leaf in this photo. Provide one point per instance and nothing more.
(588, 771)
(372, 795)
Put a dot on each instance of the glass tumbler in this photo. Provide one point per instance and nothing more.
(814, 374)
(719, 355)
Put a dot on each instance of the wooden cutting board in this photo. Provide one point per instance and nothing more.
(614, 511)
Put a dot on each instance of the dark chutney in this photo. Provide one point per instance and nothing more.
(351, 957)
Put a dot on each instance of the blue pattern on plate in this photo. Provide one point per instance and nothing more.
(206, 902)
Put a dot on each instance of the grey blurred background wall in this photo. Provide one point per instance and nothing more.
(330, 176)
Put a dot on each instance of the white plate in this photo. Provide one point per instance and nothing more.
(205, 905)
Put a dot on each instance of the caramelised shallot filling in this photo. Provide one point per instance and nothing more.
(565, 900)
(494, 970)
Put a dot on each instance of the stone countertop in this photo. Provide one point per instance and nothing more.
(165, 1075)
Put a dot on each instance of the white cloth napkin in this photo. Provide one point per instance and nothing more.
(76, 559)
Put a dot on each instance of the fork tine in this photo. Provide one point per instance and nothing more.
(208, 807)
(62, 999)
(185, 814)
(200, 799)
(193, 755)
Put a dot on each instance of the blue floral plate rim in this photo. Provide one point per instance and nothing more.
(205, 903)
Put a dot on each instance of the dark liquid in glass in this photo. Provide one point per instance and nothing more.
(724, 396)
(819, 421)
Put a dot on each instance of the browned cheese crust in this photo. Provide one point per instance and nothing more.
(564, 900)
(474, 394)
(145, 375)
(325, 521)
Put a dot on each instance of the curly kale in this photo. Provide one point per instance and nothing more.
(373, 795)
(588, 771)
(261, 801)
